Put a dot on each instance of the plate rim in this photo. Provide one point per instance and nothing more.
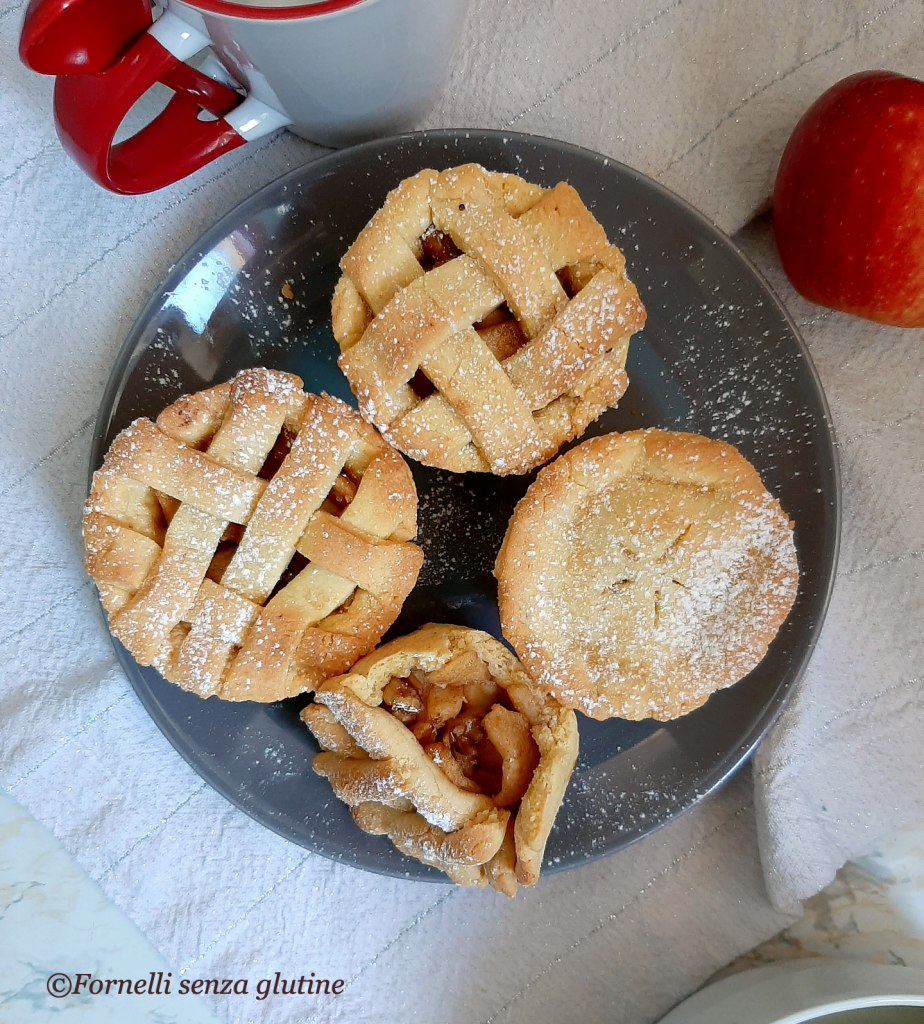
(328, 163)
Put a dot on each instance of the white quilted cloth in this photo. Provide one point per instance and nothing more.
(701, 94)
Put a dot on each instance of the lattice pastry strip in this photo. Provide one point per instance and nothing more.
(461, 282)
(214, 489)
(241, 543)
(440, 741)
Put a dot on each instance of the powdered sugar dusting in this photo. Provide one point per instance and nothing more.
(644, 596)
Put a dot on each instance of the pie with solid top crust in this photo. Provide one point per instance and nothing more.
(643, 571)
(440, 741)
(483, 321)
(254, 540)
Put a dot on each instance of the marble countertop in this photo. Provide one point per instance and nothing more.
(55, 920)
(873, 910)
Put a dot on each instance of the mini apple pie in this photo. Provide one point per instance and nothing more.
(483, 321)
(440, 741)
(254, 540)
(643, 571)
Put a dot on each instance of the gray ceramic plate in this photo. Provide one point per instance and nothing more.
(718, 356)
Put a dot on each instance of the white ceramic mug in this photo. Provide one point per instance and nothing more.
(334, 71)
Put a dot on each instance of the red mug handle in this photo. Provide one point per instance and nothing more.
(90, 106)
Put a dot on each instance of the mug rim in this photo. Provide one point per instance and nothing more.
(253, 13)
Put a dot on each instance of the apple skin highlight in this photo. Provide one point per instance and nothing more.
(848, 204)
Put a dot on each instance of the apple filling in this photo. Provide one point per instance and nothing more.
(440, 741)
(499, 330)
(466, 724)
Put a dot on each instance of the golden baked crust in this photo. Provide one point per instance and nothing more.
(440, 741)
(457, 332)
(254, 540)
(643, 571)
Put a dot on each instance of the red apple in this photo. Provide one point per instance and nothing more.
(848, 205)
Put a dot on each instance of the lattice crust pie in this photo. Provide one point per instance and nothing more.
(483, 321)
(254, 540)
(440, 741)
(643, 571)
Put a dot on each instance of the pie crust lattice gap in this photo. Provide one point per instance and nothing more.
(503, 299)
(254, 541)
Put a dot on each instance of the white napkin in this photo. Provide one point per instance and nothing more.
(700, 94)
(843, 767)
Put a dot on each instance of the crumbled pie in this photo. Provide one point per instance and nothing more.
(483, 321)
(440, 741)
(254, 540)
(643, 571)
